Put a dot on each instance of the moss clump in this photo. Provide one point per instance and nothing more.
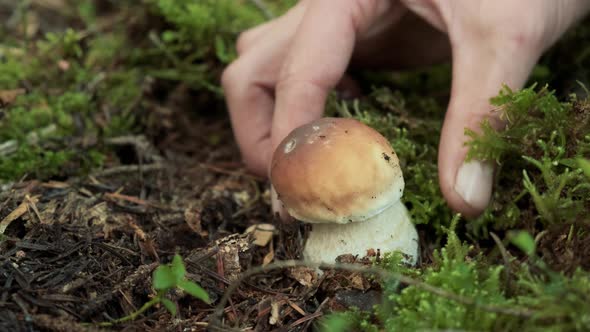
(414, 309)
(33, 159)
(539, 147)
(525, 296)
(80, 88)
(101, 69)
(12, 72)
(35, 128)
(198, 39)
(541, 187)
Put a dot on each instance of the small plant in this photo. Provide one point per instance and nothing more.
(585, 166)
(541, 146)
(335, 322)
(524, 241)
(166, 278)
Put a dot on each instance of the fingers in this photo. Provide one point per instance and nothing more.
(286, 23)
(317, 59)
(491, 46)
(248, 85)
(479, 70)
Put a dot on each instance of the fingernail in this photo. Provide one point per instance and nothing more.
(277, 206)
(474, 183)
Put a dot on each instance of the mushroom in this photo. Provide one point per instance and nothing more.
(344, 178)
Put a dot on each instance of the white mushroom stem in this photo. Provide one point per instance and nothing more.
(389, 231)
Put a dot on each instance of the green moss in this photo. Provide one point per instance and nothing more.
(200, 38)
(562, 301)
(540, 183)
(12, 72)
(415, 309)
(201, 21)
(72, 80)
(528, 296)
(105, 48)
(536, 154)
(347, 321)
(61, 45)
(32, 160)
(39, 126)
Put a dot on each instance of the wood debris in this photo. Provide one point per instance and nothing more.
(17, 213)
(262, 233)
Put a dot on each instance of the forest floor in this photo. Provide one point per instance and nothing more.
(87, 247)
(83, 248)
(89, 211)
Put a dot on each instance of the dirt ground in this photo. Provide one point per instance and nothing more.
(84, 249)
(81, 250)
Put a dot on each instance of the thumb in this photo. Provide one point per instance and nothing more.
(478, 74)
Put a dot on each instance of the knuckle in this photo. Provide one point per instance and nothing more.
(243, 41)
(529, 33)
(230, 75)
(304, 79)
(525, 40)
(362, 12)
(533, 34)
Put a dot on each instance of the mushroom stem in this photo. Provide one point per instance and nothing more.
(389, 231)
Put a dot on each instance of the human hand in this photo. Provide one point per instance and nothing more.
(287, 67)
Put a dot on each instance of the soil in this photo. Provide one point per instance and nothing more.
(83, 249)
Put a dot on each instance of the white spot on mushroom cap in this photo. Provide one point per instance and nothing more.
(290, 145)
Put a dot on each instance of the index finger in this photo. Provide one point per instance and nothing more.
(318, 57)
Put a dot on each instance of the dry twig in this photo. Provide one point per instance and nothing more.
(216, 318)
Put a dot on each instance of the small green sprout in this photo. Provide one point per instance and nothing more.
(585, 166)
(336, 322)
(164, 279)
(524, 241)
(167, 277)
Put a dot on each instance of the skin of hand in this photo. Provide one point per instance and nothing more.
(286, 68)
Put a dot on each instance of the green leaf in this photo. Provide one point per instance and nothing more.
(169, 305)
(194, 290)
(524, 241)
(585, 166)
(163, 278)
(335, 323)
(178, 268)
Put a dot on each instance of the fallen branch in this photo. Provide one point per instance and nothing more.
(143, 147)
(216, 318)
(130, 169)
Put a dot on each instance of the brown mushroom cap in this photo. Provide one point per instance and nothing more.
(336, 170)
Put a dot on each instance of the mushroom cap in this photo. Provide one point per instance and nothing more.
(336, 170)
